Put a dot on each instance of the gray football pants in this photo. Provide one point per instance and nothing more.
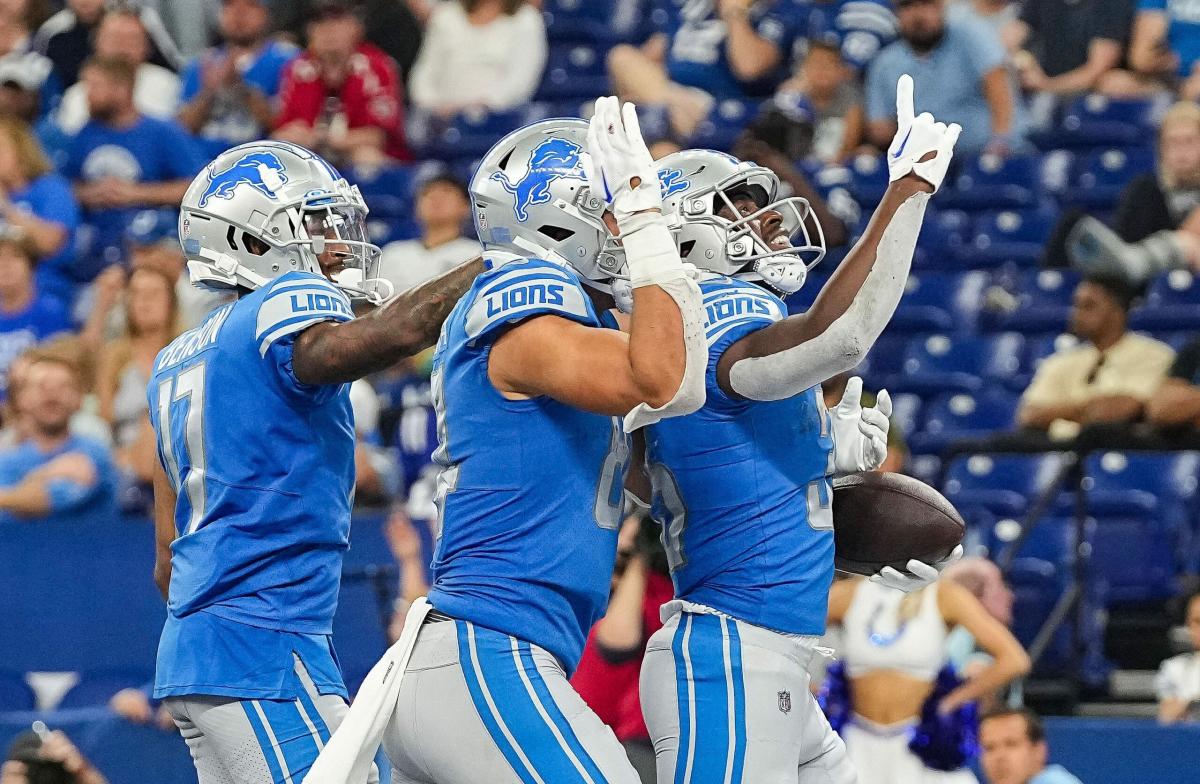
(477, 705)
(726, 702)
(258, 741)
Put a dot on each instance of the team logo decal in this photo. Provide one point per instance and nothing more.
(550, 160)
(785, 702)
(671, 182)
(263, 171)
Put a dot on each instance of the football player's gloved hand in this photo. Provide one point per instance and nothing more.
(917, 137)
(920, 573)
(860, 434)
(618, 165)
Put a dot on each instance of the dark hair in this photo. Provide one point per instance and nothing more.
(510, 6)
(1117, 288)
(1034, 730)
(116, 69)
(448, 180)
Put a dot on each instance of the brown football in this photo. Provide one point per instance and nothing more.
(882, 519)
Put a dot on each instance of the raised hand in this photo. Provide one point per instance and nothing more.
(922, 146)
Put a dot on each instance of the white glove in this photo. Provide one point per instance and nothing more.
(617, 156)
(860, 434)
(916, 138)
(921, 574)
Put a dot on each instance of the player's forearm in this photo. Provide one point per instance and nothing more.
(657, 355)
(330, 353)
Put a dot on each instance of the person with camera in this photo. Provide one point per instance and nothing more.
(42, 757)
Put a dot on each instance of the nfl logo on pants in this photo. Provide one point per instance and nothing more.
(785, 702)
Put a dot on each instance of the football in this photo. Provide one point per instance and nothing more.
(883, 519)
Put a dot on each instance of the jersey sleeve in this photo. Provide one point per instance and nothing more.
(730, 314)
(519, 291)
(293, 303)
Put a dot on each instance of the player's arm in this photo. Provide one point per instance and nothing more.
(338, 352)
(658, 370)
(1010, 661)
(794, 354)
(164, 528)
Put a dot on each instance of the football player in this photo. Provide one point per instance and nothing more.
(742, 487)
(256, 448)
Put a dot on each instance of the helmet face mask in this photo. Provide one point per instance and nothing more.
(715, 235)
(264, 209)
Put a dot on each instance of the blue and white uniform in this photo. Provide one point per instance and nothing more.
(263, 466)
(742, 491)
(529, 501)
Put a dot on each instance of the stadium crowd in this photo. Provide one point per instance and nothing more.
(1081, 136)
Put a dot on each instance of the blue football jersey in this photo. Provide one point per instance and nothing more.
(530, 491)
(741, 487)
(264, 470)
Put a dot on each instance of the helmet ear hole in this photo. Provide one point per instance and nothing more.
(556, 233)
(685, 248)
(254, 245)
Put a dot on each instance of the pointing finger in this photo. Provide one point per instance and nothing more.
(904, 100)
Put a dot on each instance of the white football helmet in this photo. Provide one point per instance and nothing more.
(264, 209)
(530, 197)
(697, 184)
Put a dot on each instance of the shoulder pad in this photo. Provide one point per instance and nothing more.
(522, 289)
(294, 302)
(733, 303)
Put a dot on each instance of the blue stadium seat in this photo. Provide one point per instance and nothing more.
(943, 363)
(1095, 121)
(1043, 302)
(868, 179)
(1172, 303)
(1009, 237)
(990, 182)
(1162, 485)
(940, 302)
(906, 412)
(1096, 180)
(1004, 484)
(1052, 539)
(884, 360)
(1036, 585)
(962, 415)
(96, 688)
(574, 71)
(943, 240)
(723, 125)
(387, 190)
(359, 634)
(15, 694)
(1134, 558)
(570, 21)
(471, 134)
(1038, 347)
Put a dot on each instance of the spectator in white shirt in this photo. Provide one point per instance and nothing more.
(479, 54)
(121, 35)
(442, 210)
(1178, 681)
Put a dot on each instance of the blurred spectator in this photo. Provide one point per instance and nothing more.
(52, 474)
(136, 706)
(859, 28)
(407, 419)
(39, 202)
(121, 35)
(377, 476)
(1107, 378)
(341, 97)
(26, 316)
(479, 54)
(42, 756)
(152, 240)
(191, 24)
(1013, 749)
(1178, 681)
(832, 391)
(66, 37)
(608, 672)
(405, 543)
(229, 91)
(123, 367)
(121, 162)
(708, 51)
(1069, 46)
(1177, 401)
(995, 14)
(22, 79)
(396, 25)
(984, 581)
(818, 113)
(442, 211)
(1166, 44)
(958, 69)
(14, 27)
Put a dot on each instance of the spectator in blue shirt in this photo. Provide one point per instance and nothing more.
(51, 474)
(707, 50)
(958, 68)
(38, 201)
(1013, 749)
(1166, 43)
(27, 317)
(229, 91)
(122, 162)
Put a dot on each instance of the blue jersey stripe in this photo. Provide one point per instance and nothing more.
(264, 741)
(467, 660)
(512, 279)
(556, 715)
(683, 696)
(711, 705)
(739, 703)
